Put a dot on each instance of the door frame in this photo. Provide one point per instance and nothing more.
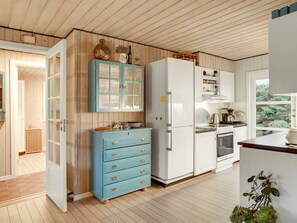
(14, 64)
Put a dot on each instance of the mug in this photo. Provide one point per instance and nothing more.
(123, 57)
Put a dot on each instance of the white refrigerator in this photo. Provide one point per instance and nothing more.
(170, 114)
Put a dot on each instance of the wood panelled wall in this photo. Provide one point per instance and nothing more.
(34, 102)
(17, 36)
(80, 121)
(211, 61)
(5, 149)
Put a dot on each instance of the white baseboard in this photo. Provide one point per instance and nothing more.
(9, 177)
(82, 196)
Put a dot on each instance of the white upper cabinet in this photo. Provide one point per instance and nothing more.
(283, 54)
(213, 85)
(227, 86)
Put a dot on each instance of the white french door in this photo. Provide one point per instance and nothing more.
(56, 187)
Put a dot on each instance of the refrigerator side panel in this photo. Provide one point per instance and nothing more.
(180, 157)
(155, 115)
(180, 92)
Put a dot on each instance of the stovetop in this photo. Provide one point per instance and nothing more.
(219, 128)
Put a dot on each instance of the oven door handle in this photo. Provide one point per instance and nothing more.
(225, 134)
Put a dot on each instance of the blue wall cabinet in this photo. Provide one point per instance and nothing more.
(2, 96)
(115, 87)
(120, 162)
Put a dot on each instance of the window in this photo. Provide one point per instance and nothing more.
(273, 113)
(268, 113)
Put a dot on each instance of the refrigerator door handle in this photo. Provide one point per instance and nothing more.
(169, 107)
(169, 140)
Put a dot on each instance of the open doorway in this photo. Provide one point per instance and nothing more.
(31, 120)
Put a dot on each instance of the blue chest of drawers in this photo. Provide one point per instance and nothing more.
(120, 162)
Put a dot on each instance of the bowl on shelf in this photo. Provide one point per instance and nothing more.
(134, 124)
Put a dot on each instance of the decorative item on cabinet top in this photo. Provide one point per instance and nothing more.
(101, 51)
(115, 87)
(120, 162)
(187, 56)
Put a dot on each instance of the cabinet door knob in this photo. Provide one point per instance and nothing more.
(113, 189)
(143, 150)
(114, 177)
(114, 143)
(142, 160)
(114, 166)
(142, 181)
(142, 139)
(142, 171)
(114, 154)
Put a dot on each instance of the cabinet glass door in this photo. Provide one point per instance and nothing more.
(108, 86)
(133, 88)
(2, 96)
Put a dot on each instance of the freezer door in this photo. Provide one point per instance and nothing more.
(179, 152)
(180, 92)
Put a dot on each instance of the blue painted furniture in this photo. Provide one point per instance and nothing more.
(115, 87)
(120, 162)
(2, 96)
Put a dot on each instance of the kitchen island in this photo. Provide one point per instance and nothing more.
(271, 154)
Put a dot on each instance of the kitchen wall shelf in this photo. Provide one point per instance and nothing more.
(115, 87)
(120, 162)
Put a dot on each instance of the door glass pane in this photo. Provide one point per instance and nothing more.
(50, 68)
(103, 70)
(51, 151)
(115, 71)
(103, 85)
(50, 109)
(264, 132)
(137, 102)
(128, 75)
(54, 87)
(128, 102)
(57, 65)
(114, 101)
(114, 86)
(57, 155)
(54, 131)
(103, 101)
(274, 116)
(137, 88)
(128, 88)
(138, 74)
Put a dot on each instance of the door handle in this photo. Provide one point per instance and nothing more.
(169, 109)
(169, 140)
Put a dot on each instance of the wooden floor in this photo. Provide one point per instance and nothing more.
(31, 163)
(208, 198)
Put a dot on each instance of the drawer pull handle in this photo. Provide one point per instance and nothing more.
(114, 177)
(142, 181)
(143, 150)
(114, 166)
(114, 143)
(114, 154)
(113, 189)
(142, 171)
(142, 139)
(142, 160)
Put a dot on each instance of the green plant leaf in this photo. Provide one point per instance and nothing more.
(275, 192)
(266, 191)
(246, 194)
(251, 179)
(262, 178)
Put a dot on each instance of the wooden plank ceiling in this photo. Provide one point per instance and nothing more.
(232, 29)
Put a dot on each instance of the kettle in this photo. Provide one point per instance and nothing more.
(215, 119)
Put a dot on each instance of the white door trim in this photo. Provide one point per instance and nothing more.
(14, 64)
(7, 45)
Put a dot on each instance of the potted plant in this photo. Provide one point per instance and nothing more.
(122, 53)
(261, 211)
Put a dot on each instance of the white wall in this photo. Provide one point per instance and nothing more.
(243, 66)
